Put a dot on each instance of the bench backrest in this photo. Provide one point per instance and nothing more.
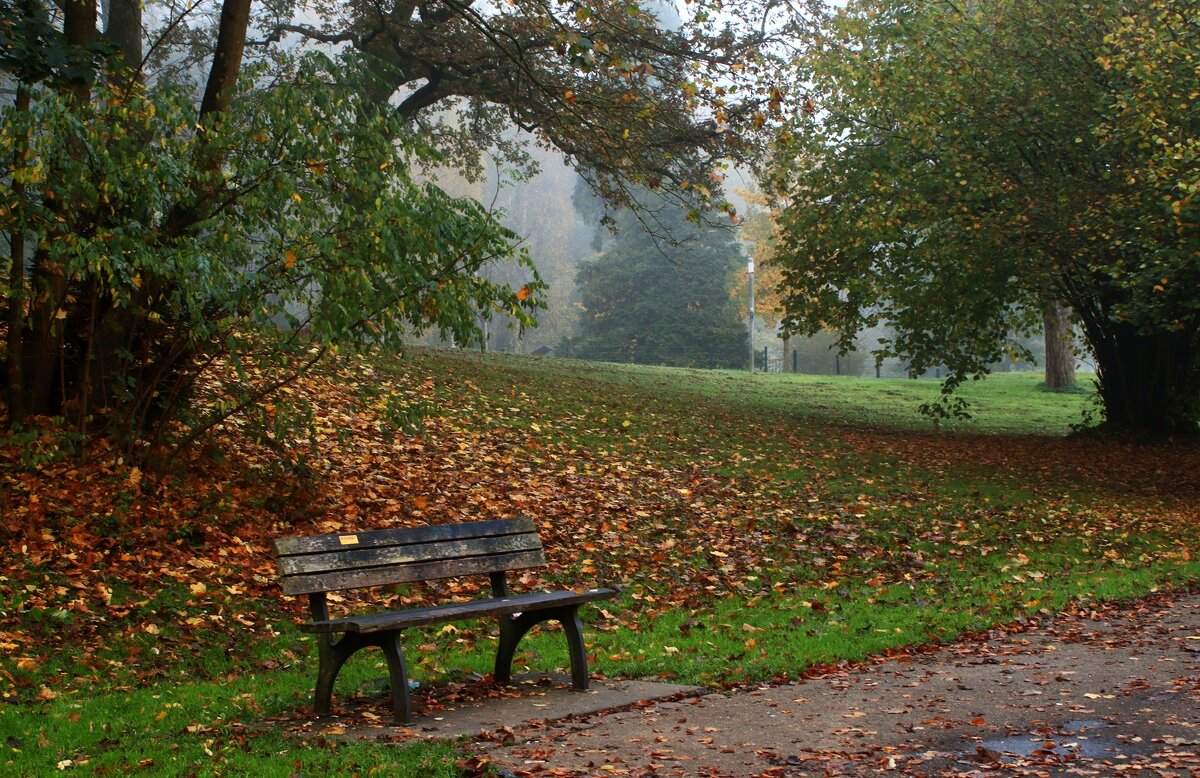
(330, 563)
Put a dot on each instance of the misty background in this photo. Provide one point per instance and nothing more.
(543, 207)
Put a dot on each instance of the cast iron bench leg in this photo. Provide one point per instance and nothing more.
(574, 629)
(513, 628)
(333, 654)
(393, 649)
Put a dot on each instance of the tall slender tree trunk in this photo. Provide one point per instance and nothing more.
(79, 29)
(124, 30)
(218, 91)
(16, 284)
(227, 59)
(1060, 351)
(110, 332)
(43, 341)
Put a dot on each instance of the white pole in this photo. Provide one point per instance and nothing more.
(750, 284)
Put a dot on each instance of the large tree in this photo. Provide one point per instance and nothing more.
(628, 91)
(962, 166)
(174, 231)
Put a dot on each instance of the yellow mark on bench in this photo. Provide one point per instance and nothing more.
(348, 540)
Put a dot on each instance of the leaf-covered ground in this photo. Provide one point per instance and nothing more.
(752, 538)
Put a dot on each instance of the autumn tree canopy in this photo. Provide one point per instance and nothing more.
(232, 184)
(630, 92)
(960, 164)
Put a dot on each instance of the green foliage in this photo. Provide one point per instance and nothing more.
(290, 227)
(993, 156)
(32, 48)
(41, 447)
(651, 302)
(1151, 58)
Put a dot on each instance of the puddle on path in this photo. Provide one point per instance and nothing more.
(1085, 737)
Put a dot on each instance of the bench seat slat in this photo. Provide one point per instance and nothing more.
(381, 622)
(407, 554)
(407, 573)
(341, 541)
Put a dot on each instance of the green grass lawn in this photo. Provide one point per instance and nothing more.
(1008, 403)
(759, 524)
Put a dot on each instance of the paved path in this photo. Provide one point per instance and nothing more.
(1115, 695)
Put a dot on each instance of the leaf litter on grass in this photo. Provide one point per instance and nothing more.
(680, 501)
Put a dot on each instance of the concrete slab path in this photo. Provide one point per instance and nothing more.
(1114, 695)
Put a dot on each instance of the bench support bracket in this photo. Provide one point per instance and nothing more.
(334, 653)
(514, 627)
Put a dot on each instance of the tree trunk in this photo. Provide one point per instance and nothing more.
(43, 341)
(227, 59)
(787, 355)
(16, 284)
(218, 91)
(155, 376)
(79, 29)
(1060, 352)
(1149, 383)
(107, 332)
(124, 30)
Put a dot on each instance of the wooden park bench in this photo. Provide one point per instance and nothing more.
(318, 564)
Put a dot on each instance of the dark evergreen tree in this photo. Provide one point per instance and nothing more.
(651, 301)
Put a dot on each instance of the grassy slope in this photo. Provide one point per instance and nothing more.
(759, 524)
(1005, 403)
